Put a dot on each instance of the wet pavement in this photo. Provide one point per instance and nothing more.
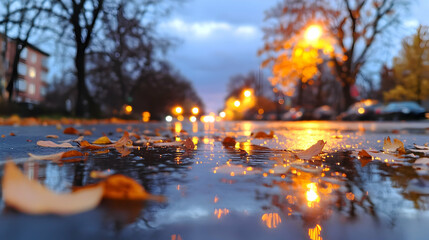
(256, 189)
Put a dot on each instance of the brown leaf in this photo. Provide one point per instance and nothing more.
(124, 151)
(189, 144)
(312, 151)
(102, 140)
(54, 145)
(121, 187)
(31, 197)
(135, 135)
(12, 134)
(72, 153)
(228, 142)
(364, 157)
(52, 157)
(260, 135)
(52, 136)
(71, 130)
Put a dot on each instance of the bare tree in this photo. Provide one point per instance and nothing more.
(356, 25)
(79, 18)
(21, 18)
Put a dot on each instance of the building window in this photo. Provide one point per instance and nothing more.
(31, 88)
(21, 85)
(33, 58)
(44, 76)
(43, 91)
(24, 53)
(32, 72)
(45, 62)
(22, 69)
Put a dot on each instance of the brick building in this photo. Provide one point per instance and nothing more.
(31, 85)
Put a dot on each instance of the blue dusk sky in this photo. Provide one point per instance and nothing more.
(219, 39)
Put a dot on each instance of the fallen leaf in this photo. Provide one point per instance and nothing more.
(364, 157)
(87, 133)
(135, 135)
(3, 136)
(71, 130)
(124, 151)
(263, 135)
(86, 145)
(228, 142)
(54, 145)
(31, 197)
(421, 147)
(395, 146)
(52, 136)
(189, 144)
(12, 134)
(102, 140)
(422, 161)
(312, 151)
(124, 141)
(102, 151)
(121, 187)
(79, 139)
(56, 157)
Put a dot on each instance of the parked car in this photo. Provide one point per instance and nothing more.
(367, 109)
(324, 112)
(407, 110)
(293, 114)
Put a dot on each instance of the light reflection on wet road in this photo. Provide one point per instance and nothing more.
(217, 192)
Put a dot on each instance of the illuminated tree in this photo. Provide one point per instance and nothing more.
(355, 25)
(411, 69)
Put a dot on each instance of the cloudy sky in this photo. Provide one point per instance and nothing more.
(220, 38)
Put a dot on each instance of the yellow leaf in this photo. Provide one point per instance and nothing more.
(395, 146)
(102, 140)
(31, 197)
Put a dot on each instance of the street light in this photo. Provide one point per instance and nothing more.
(178, 110)
(195, 110)
(313, 33)
(128, 109)
(247, 93)
(237, 103)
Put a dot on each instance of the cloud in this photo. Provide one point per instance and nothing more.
(207, 29)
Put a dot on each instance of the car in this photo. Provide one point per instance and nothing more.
(406, 110)
(368, 109)
(293, 114)
(324, 112)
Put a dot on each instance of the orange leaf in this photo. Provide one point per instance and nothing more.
(125, 141)
(71, 130)
(264, 135)
(31, 197)
(12, 134)
(312, 151)
(364, 157)
(396, 146)
(87, 133)
(102, 140)
(124, 151)
(133, 134)
(72, 153)
(121, 187)
(86, 145)
(54, 145)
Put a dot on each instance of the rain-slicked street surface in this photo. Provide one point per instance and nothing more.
(255, 188)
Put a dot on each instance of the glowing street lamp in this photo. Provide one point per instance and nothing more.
(128, 109)
(178, 110)
(195, 110)
(313, 33)
(222, 114)
(247, 93)
(237, 103)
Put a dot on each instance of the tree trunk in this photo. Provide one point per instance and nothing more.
(14, 76)
(348, 99)
(84, 102)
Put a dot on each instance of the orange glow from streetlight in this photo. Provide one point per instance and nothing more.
(237, 103)
(247, 93)
(128, 109)
(192, 119)
(195, 110)
(178, 110)
(313, 33)
(222, 114)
